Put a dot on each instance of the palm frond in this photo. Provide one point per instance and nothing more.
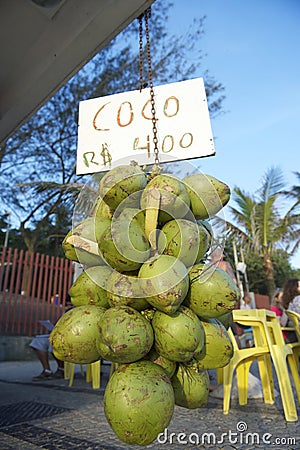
(230, 230)
(50, 187)
(272, 184)
(245, 203)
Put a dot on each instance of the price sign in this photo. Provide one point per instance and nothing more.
(117, 129)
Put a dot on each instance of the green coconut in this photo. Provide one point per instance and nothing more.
(174, 197)
(124, 335)
(207, 194)
(226, 319)
(212, 291)
(101, 209)
(132, 214)
(165, 282)
(217, 350)
(207, 225)
(80, 244)
(121, 182)
(139, 402)
(166, 364)
(90, 287)
(178, 336)
(124, 290)
(186, 240)
(124, 245)
(74, 336)
(191, 386)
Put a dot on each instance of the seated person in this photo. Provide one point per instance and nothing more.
(245, 332)
(41, 345)
(246, 302)
(278, 309)
(291, 302)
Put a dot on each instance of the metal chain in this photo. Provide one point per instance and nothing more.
(142, 84)
(147, 15)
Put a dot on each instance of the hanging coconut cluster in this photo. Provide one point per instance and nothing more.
(147, 299)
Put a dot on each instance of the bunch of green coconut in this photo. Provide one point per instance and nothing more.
(147, 299)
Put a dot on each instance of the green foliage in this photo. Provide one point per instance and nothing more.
(15, 239)
(296, 273)
(267, 235)
(256, 274)
(282, 268)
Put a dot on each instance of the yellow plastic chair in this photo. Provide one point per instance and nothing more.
(69, 369)
(241, 363)
(294, 318)
(295, 346)
(276, 335)
(281, 355)
(281, 347)
(92, 373)
(219, 374)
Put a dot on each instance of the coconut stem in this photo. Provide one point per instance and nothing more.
(83, 244)
(152, 209)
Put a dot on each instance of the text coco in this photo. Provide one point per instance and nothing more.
(124, 113)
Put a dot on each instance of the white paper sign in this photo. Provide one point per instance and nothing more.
(118, 128)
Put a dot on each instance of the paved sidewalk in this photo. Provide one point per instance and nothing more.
(50, 415)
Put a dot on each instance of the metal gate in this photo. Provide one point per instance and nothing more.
(33, 287)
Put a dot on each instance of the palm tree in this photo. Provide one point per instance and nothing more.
(294, 215)
(259, 225)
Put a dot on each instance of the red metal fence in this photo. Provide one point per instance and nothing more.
(33, 287)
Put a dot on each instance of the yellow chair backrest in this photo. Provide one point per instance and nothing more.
(270, 320)
(251, 318)
(295, 319)
(273, 326)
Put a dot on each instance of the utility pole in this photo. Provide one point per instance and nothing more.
(7, 228)
(236, 262)
(245, 272)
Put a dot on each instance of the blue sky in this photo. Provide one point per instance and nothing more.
(253, 49)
